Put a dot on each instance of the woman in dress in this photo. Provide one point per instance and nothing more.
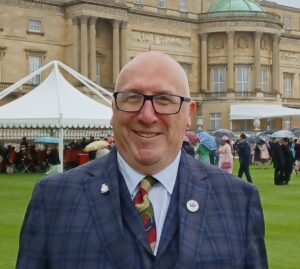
(225, 155)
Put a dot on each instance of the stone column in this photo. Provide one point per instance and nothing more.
(116, 49)
(75, 43)
(92, 55)
(257, 62)
(204, 63)
(275, 64)
(83, 45)
(124, 33)
(230, 62)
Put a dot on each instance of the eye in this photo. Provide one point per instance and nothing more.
(130, 98)
(166, 99)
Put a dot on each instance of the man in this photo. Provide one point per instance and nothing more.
(278, 161)
(288, 161)
(88, 217)
(244, 152)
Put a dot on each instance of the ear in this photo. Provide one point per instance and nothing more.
(192, 109)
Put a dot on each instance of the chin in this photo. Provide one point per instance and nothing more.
(149, 156)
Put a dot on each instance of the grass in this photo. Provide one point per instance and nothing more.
(15, 192)
(281, 206)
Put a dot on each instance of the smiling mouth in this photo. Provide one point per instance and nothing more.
(147, 135)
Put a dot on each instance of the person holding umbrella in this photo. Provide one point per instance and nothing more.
(205, 147)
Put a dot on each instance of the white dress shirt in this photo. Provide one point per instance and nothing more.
(159, 194)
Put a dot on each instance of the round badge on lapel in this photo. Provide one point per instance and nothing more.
(192, 205)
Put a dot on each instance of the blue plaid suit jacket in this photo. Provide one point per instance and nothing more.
(70, 224)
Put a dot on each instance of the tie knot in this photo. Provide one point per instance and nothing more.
(148, 182)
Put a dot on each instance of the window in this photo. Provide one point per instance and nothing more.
(2, 54)
(34, 25)
(218, 79)
(98, 70)
(35, 62)
(183, 5)
(246, 125)
(264, 78)
(287, 23)
(288, 80)
(287, 123)
(215, 121)
(161, 3)
(186, 68)
(242, 79)
(1, 21)
(137, 2)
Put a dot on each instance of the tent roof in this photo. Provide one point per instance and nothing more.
(54, 103)
(260, 111)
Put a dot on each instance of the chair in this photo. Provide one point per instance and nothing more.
(25, 166)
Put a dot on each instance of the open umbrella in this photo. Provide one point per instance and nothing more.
(47, 140)
(296, 132)
(192, 137)
(207, 140)
(252, 139)
(283, 134)
(219, 133)
(99, 144)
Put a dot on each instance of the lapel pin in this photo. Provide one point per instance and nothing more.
(104, 188)
(192, 205)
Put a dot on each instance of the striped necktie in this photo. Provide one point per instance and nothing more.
(144, 207)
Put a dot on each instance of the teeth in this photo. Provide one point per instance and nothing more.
(146, 135)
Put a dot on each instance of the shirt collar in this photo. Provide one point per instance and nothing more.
(166, 177)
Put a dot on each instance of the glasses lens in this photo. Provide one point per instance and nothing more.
(166, 104)
(129, 102)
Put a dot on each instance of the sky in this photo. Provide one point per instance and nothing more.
(290, 3)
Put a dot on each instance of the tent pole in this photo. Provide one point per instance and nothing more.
(61, 149)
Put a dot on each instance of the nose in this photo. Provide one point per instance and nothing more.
(147, 114)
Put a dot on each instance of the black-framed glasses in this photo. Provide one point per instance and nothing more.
(165, 104)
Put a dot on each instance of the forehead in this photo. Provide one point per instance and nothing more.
(153, 75)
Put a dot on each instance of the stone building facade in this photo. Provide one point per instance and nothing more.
(247, 56)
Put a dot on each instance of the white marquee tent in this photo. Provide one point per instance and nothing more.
(55, 103)
(260, 111)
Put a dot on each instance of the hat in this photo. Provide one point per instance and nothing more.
(225, 137)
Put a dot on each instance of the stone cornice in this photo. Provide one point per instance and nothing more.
(101, 3)
(105, 11)
(165, 20)
(162, 18)
(35, 4)
(220, 26)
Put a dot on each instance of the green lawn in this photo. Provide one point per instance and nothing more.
(281, 206)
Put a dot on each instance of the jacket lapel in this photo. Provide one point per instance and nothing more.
(193, 191)
(191, 186)
(106, 210)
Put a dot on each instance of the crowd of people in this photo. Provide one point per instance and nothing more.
(282, 153)
(29, 157)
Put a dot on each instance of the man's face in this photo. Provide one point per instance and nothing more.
(149, 141)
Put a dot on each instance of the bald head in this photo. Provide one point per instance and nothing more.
(151, 64)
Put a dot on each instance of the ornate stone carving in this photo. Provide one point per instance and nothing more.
(290, 58)
(164, 21)
(218, 42)
(161, 39)
(242, 43)
(2, 52)
(263, 44)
